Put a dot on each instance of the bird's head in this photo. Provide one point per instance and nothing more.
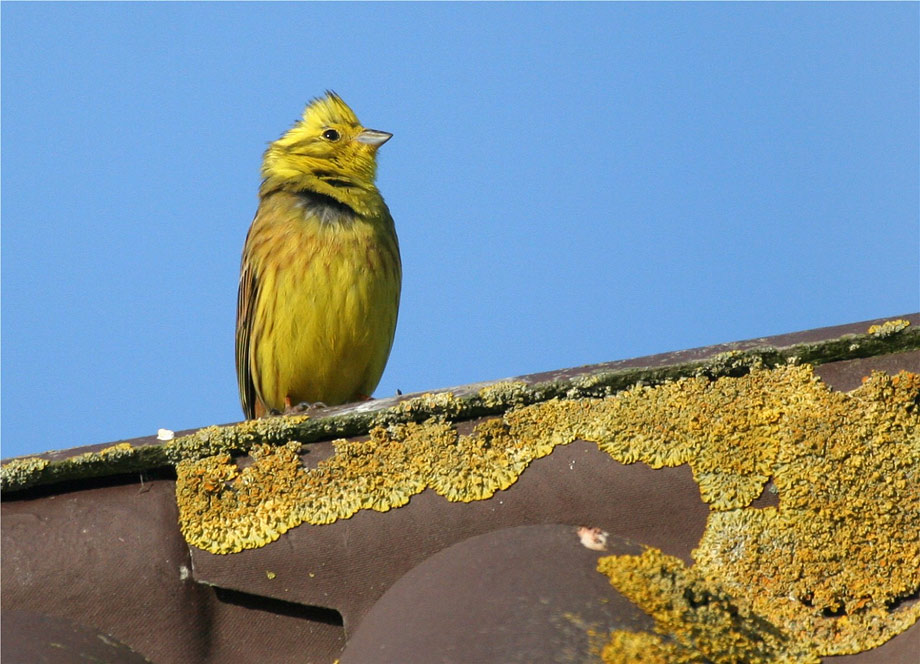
(327, 148)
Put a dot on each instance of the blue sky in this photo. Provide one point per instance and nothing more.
(571, 183)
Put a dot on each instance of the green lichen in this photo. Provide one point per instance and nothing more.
(127, 458)
(490, 400)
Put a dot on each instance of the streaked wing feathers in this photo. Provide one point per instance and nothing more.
(245, 314)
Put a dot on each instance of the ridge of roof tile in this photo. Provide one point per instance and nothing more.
(821, 346)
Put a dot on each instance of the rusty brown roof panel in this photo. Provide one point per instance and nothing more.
(349, 571)
(42, 639)
(510, 578)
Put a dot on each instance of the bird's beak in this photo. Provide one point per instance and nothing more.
(373, 137)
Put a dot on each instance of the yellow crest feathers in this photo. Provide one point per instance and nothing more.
(329, 110)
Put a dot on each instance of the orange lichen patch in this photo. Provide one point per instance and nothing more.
(836, 560)
(833, 565)
(727, 430)
(380, 473)
(888, 328)
(225, 509)
(632, 647)
(573, 625)
(474, 467)
(841, 551)
(695, 619)
(543, 426)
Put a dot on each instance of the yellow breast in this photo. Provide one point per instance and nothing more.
(327, 299)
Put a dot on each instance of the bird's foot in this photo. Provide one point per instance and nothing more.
(303, 407)
(297, 409)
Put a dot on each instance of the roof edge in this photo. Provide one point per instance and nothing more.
(883, 337)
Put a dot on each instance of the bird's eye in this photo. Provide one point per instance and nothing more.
(331, 135)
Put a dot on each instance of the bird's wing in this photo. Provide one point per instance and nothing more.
(245, 314)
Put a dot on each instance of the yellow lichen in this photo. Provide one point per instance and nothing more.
(726, 430)
(239, 438)
(225, 509)
(841, 550)
(698, 620)
(834, 561)
(217, 440)
(444, 403)
(831, 565)
(19, 474)
(504, 394)
(888, 328)
(119, 449)
(21, 471)
(634, 647)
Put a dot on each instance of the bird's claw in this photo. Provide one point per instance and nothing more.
(297, 409)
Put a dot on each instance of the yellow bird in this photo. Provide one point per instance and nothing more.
(321, 273)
